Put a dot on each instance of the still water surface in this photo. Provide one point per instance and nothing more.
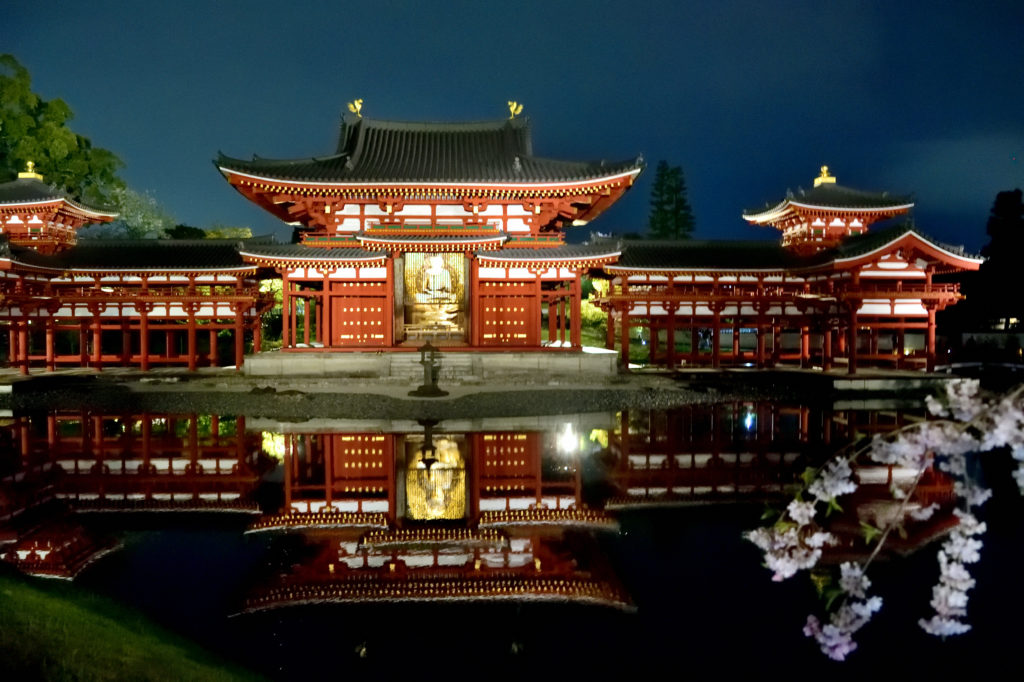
(573, 543)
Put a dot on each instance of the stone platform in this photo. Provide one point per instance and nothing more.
(455, 366)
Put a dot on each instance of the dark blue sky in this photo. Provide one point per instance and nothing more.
(749, 97)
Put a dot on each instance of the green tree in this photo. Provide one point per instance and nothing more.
(35, 129)
(185, 232)
(218, 231)
(671, 216)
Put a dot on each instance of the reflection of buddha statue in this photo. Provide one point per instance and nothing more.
(435, 281)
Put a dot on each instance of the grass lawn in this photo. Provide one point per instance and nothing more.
(50, 630)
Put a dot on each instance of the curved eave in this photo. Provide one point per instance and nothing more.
(597, 261)
(58, 203)
(299, 261)
(441, 244)
(473, 590)
(827, 208)
(435, 184)
(659, 270)
(937, 252)
(785, 207)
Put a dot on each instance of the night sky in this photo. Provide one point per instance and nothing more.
(750, 98)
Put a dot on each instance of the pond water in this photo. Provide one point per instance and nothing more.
(581, 544)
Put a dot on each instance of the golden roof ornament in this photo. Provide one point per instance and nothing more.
(356, 107)
(824, 178)
(514, 109)
(30, 172)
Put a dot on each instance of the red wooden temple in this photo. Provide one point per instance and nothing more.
(137, 303)
(831, 291)
(455, 233)
(447, 232)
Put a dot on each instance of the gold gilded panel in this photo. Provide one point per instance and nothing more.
(437, 491)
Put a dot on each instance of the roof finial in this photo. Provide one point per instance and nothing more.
(514, 109)
(356, 107)
(824, 178)
(30, 172)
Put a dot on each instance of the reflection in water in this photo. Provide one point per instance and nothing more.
(411, 515)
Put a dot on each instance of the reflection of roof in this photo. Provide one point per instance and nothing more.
(32, 191)
(561, 518)
(364, 588)
(831, 195)
(376, 151)
(320, 519)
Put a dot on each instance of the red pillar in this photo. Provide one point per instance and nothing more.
(805, 347)
(576, 312)
(930, 340)
(51, 364)
(716, 339)
(191, 337)
(670, 334)
(624, 336)
(144, 338)
(852, 342)
(239, 336)
(826, 346)
(23, 345)
(760, 342)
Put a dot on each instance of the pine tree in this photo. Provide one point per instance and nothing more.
(671, 216)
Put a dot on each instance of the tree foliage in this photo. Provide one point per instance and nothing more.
(671, 216)
(35, 129)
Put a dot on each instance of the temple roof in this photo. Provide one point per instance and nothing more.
(139, 254)
(372, 151)
(863, 244)
(765, 255)
(825, 195)
(706, 255)
(562, 252)
(27, 190)
(295, 253)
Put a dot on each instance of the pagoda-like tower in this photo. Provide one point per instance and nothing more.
(451, 233)
(38, 216)
(820, 218)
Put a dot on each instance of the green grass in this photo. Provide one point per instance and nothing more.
(53, 631)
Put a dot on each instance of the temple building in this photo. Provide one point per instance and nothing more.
(452, 233)
(831, 291)
(455, 234)
(141, 303)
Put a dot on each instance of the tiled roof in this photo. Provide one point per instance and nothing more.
(300, 252)
(389, 151)
(563, 252)
(139, 254)
(712, 255)
(830, 195)
(31, 190)
(858, 245)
